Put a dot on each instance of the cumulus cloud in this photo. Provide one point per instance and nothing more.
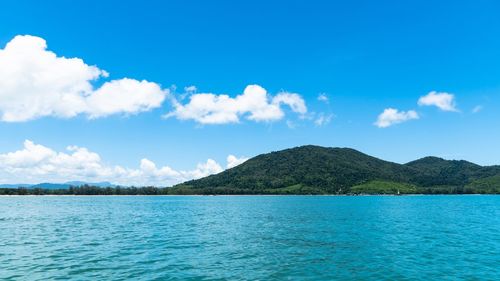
(233, 161)
(392, 116)
(35, 163)
(35, 82)
(254, 104)
(444, 101)
(124, 96)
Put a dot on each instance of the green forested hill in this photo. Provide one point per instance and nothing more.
(320, 170)
(432, 171)
(489, 185)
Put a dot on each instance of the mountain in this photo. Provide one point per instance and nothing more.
(47, 185)
(98, 184)
(320, 170)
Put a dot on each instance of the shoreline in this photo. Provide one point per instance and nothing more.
(239, 195)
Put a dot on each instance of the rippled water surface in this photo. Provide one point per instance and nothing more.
(250, 238)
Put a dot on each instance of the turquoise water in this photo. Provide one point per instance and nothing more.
(250, 238)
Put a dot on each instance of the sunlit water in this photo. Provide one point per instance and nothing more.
(250, 238)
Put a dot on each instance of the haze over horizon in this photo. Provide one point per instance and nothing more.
(159, 93)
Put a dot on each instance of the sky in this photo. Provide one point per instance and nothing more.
(159, 92)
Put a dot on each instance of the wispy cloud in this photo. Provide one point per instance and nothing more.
(477, 109)
(323, 97)
(290, 124)
(190, 89)
(323, 119)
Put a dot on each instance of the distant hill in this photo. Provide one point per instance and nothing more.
(47, 185)
(65, 185)
(98, 184)
(15, 185)
(320, 170)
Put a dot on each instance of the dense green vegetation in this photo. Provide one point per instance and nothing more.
(331, 170)
(433, 171)
(383, 187)
(489, 185)
(319, 170)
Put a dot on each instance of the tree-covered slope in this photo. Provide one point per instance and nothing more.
(384, 187)
(319, 170)
(489, 185)
(331, 170)
(434, 171)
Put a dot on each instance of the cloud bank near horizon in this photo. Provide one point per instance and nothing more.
(35, 163)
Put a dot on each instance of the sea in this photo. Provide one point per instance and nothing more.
(442, 237)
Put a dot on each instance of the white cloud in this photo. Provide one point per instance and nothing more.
(444, 101)
(323, 119)
(124, 96)
(254, 104)
(190, 89)
(35, 163)
(392, 116)
(477, 109)
(233, 161)
(323, 97)
(35, 82)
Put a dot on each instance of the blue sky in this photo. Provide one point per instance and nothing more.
(364, 56)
